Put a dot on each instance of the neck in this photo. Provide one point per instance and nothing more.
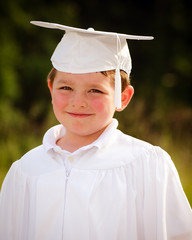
(71, 142)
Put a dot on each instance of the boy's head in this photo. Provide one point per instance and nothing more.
(84, 103)
(87, 93)
(87, 51)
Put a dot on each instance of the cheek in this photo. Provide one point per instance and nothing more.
(59, 101)
(101, 105)
(98, 105)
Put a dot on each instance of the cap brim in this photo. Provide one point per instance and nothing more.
(88, 31)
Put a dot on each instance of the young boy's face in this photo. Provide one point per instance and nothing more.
(83, 103)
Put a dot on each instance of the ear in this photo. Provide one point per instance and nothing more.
(126, 96)
(50, 86)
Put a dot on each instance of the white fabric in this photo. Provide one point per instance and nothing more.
(117, 188)
(85, 53)
(87, 50)
(88, 31)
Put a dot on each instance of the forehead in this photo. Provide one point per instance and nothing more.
(96, 78)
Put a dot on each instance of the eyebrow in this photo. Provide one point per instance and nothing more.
(96, 85)
(66, 81)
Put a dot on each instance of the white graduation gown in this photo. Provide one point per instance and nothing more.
(117, 188)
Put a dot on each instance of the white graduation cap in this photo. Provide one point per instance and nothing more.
(85, 51)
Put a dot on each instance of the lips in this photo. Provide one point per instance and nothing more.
(79, 115)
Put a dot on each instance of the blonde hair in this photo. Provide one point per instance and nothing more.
(125, 81)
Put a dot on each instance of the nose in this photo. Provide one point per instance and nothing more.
(79, 100)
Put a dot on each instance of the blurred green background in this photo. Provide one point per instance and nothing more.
(161, 110)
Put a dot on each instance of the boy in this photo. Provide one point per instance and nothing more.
(88, 180)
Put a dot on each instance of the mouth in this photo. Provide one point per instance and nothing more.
(79, 115)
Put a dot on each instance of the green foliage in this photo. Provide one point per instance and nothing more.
(161, 110)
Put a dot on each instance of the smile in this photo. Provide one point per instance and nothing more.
(79, 115)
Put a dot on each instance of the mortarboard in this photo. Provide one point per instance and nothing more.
(87, 50)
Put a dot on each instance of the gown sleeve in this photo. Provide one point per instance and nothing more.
(12, 204)
(174, 209)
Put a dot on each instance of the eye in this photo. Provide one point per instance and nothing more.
(95, 91)
(65, 88)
